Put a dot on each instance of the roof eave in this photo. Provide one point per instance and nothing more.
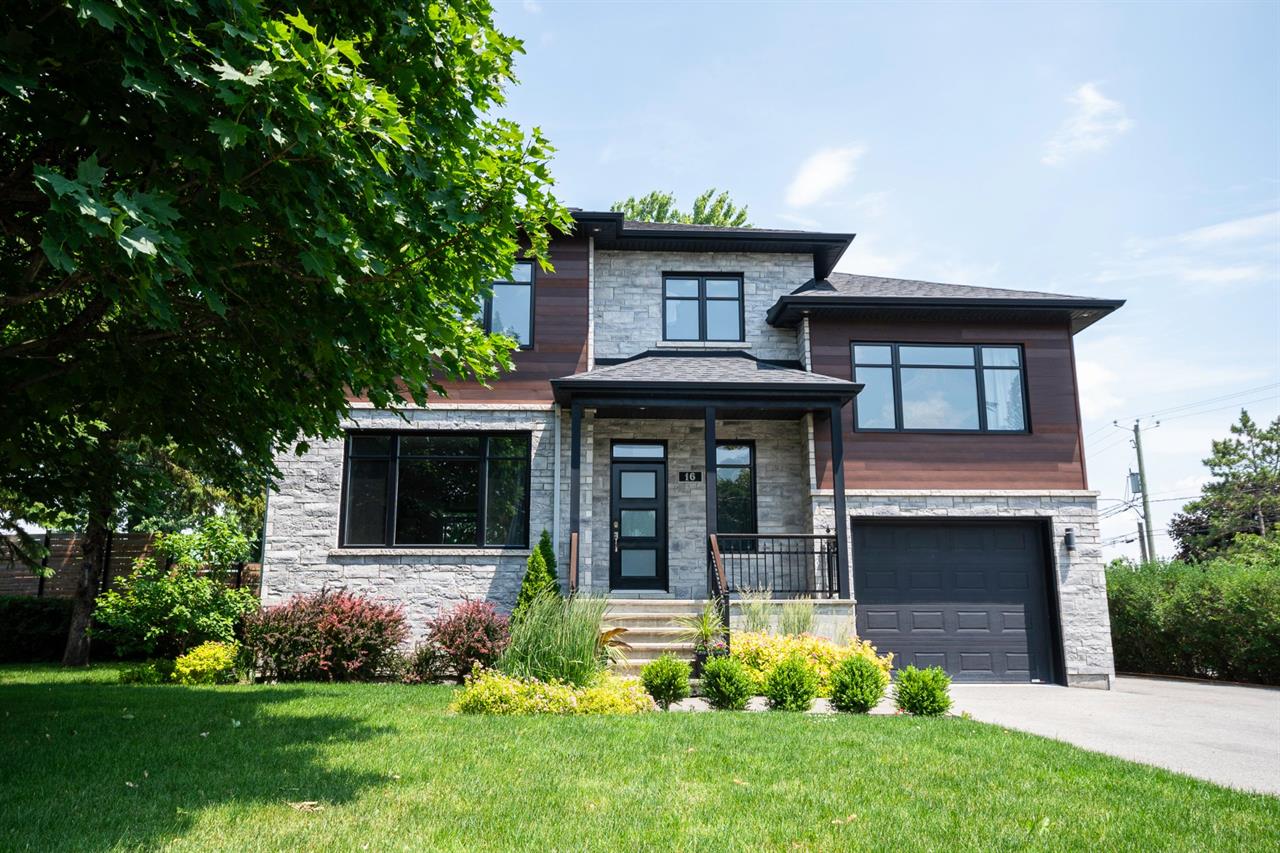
(1083, 313)
(565, 389)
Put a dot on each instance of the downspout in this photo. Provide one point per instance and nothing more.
(555, 485)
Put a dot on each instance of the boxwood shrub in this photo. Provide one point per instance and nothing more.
(792, 685)
(666, 679)
(726, 684)
(923, 692)
(857, 685)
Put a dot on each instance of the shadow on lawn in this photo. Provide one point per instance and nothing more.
(96, 766)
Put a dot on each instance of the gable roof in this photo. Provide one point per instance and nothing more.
(867, 296)
(612, 232)
(684, 373)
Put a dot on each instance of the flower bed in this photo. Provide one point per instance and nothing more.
(488, 691)
(760, 652)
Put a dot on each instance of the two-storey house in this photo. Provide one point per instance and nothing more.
(700, 411)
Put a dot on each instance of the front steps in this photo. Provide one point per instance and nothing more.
(652, 629)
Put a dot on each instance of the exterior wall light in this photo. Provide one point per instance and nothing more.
(1069, 539)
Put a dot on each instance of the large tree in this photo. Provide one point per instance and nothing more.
(220, 218)
(1243, 497)
(709, 208)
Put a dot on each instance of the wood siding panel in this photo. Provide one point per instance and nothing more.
(560, 323)
(1050, 457)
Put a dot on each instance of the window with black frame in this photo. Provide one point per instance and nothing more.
(736, 491)
(702, 308)
(436, 489)
(509, 311)
(939, 387)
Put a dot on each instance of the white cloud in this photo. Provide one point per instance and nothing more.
(1234, 231)
(824, 172)
(533, 7)
(1098, 388)
(1094, 123)
(1238, 251)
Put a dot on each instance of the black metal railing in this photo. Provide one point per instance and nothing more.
(783, 564)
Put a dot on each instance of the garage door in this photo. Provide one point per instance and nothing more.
(968, 597)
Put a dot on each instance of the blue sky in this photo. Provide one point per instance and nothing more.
(1125, 151)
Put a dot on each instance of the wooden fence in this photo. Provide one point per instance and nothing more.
(65, 557)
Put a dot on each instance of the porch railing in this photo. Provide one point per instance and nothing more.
(785, 564)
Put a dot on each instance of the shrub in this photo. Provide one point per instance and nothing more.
(427, 663)
(33, 629)
(490, 692)
(923, 692)
(796, 618)
(726, 684)
(760, 653)
(557, 639)
(857, 684)
(161, 612)
(471, 633)
(207, 663)
(1217, 619)
(325, 636)
(157, 671)
(539, 577)
(666, 680)
(792, 685)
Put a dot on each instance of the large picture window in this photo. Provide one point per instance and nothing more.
(702, 308)
(436, 489)
(509, 311)
(939, 388)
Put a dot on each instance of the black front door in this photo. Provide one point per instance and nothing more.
(638, 526)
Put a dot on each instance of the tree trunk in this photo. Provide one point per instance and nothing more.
(95, 551)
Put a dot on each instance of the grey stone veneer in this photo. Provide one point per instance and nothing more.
(1082, 584)
(628, 297)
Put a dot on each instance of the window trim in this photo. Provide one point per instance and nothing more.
(486, 310)
(702, 300)
(392, 458)
(895, 366)
(623, 442)
(755, 503)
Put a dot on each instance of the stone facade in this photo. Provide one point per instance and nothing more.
(1080, 575)
(627, 310)
(780, 489)
(302, 553)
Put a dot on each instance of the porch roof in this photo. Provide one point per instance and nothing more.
(709, 376)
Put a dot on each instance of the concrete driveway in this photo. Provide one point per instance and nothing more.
(1223, 733)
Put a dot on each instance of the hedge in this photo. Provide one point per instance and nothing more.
(33, 629)
(1219, 619)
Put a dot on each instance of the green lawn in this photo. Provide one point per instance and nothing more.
(87, 764)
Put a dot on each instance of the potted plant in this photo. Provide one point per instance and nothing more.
(706, 630)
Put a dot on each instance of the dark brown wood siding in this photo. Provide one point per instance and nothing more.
(560, 320)
(1049, 457)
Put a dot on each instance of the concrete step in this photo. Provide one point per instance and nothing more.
(658, 605)
(653, 620)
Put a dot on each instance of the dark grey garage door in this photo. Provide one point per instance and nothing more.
(969, 597)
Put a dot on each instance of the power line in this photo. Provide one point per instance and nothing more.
(1206, 400)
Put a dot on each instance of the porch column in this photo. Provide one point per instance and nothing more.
(575, 488)
(842, 514)
(709, 445)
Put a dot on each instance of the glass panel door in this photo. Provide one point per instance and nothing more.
(638, 526)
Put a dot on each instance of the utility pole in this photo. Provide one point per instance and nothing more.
(1142, 543)
(1146, 500)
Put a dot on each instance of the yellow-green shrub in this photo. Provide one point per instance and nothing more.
(488, 691)
(760, 652)
(207, 663)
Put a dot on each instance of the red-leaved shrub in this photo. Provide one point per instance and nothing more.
(469, 634)
(325, 636)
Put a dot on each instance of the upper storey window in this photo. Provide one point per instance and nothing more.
(702, 307)
(939, 388)
(509, 311)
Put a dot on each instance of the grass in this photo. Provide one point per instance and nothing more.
(85, 764)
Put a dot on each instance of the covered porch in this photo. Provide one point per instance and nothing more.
(691, 477)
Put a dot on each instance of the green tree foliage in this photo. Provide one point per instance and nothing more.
(548, 554)
(538, 581)
(219, 218)
(709, 208)
(1244, 495)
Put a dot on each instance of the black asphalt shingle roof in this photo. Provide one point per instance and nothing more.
(869, 296)
(684, 372)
